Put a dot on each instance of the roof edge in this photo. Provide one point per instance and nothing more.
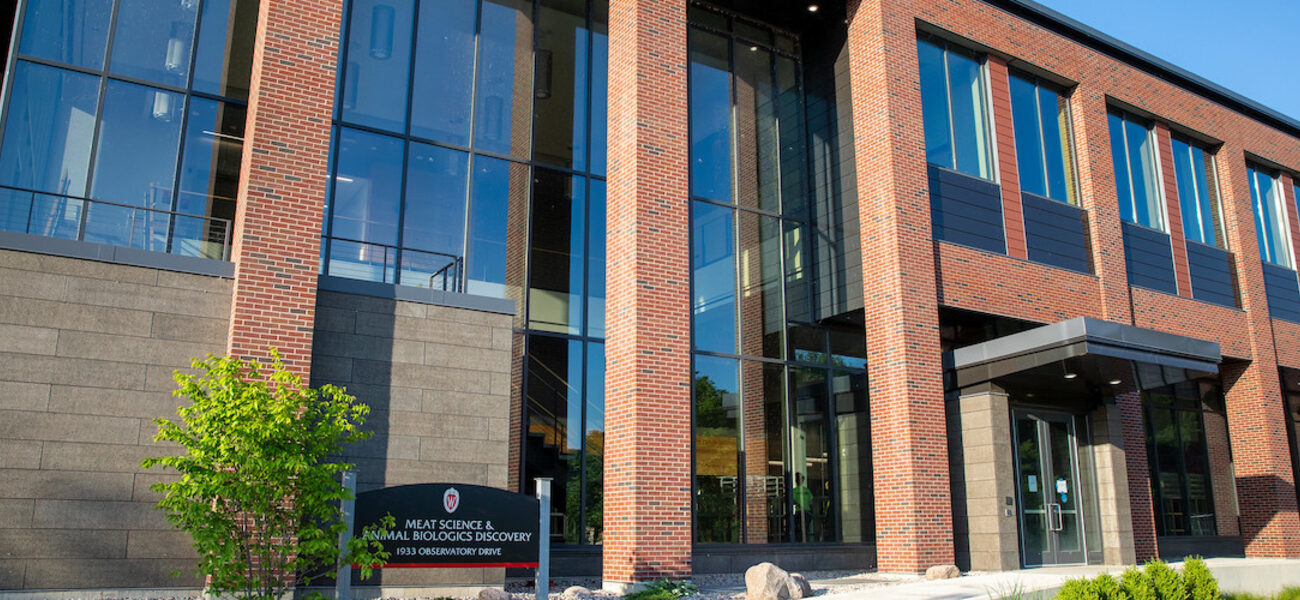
(1092, 38)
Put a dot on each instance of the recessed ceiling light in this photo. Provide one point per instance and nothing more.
(813, 8)
(753, 48)
(1114, 382)
(1071, 375)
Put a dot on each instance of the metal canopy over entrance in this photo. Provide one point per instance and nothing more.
(1094, 351)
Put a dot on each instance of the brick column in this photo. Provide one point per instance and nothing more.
(1013, 216)
(1141, 509)
(1176, 238)
(1099, 197)
(282, 180)
(647, 377)
(909, 438)
(1256, 411)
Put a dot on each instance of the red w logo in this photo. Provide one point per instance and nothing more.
(451, 500)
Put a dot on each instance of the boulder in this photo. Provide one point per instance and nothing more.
(942, 572)
(805, 588)
(766, 581)
(576, 592)
(493, 594)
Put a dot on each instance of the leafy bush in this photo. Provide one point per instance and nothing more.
(664, 589)
(1136, 585)
(1198, 581)
(1168, 584)
(1075, 589)
(1105, 587)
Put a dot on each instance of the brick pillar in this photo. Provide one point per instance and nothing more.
(1099, 197)
(1141, 509)
(909, 438)
(647, 378)
(282, 180)
(1176, 238)
(1256, 412)
(1013, 216)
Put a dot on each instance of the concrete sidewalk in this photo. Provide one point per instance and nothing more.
(1235, 575)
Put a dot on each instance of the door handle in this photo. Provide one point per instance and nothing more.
(1055, 521)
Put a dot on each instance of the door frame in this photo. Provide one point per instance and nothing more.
(1041, 417)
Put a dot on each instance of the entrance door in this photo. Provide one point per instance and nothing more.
(1047, 473)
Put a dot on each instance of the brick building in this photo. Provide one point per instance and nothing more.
(874, 284)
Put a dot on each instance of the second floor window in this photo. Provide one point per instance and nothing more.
(1133, 149)
(1041, 118)
(1198, 196)
(1270, 216)
(955, 107)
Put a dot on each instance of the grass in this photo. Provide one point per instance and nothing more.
(1290, 593)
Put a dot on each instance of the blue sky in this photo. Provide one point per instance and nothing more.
(1251, 47)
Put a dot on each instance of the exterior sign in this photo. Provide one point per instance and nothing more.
(453, 525)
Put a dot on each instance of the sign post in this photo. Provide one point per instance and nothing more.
(543, 538)
(343, 579)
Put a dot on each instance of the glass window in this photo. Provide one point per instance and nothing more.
(555, 426)
(378, 69)
(444, 71)
(209, 177)
(1177, 450)
(765, 419)
(505, 78)
(50, 129)
(757, 142)
(561, 84)
(596, 261)
(762, 314)
(1042, 128)
(1271, 229)
(853, 436)
(433, 217)
(494, 257)
(1132, 146)
(713, 273)
(599, 85)
(955, 108)
(556, 278)
(710, 113)
(223, 62)
(72, 32)
(153, 40)
(810, 463)
(1198, 197)
(717, 449)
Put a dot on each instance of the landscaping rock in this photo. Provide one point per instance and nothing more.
(804, 587)
(576, 592)
(942, 572)
(494, 594)
(766, 581)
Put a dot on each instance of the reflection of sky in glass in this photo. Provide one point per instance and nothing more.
(486, 260)
(599, 101)
(375, 78)
(153, 40)
(434, 219)
(366, 187)
(710, 114)
(503, 29)
(1270, 218)
(713, 268)
(934, 105)
(69, 31)
(444, 69)
(135, 160)
(596, 261)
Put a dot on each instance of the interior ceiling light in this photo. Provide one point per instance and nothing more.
(813, 8)
(1071, 375)
(1114, 382)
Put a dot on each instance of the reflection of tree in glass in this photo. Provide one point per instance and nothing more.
(594, 458)
(716, 506)
(709, 412)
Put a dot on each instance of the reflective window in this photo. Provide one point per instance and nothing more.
(444, 71)
(561, 84)
(153, 40)
(493, 256)
(73, 32)
(1133, 151)
(505, 78)
(955, 108)
(1044, 152)
(152, 166)
(558, 247)
(555, 427)
(782, 444)
(1198, 197)
(376, 75)
(1271, 230)
(1181, 484)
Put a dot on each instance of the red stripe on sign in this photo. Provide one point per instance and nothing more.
(497, 565)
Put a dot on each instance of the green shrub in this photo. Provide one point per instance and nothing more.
(1105, 587)
(1136, 585)
(1074, 589)
(664, 589)
(1166, 581)
(1291, 593)
(1199, 581)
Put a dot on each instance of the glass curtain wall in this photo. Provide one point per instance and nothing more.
(1044, 153)
(1198, 192)
(955, 107)
(137, 105)
(1177, 450)
(469, 156)
(1133, 151)
(781, 427)
(1270, 216)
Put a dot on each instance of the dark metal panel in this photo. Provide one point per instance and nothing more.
(966, 210)
(1149, 259)
(1283, 292)
(1211, 273)
(1178, 547)
(1055, 233)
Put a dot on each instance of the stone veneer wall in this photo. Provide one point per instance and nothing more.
(437, 380)
(87, 351)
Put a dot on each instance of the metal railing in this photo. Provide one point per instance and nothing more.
(100, 221)
(385, 263)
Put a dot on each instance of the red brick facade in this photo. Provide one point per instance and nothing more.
(647, 374)
(282, 180)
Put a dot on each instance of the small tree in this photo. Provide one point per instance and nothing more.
(258, 492)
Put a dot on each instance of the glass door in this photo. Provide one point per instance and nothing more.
(1047, 483)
